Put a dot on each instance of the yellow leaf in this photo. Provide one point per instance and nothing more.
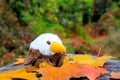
(30, 69)
(43, 64)
(66, 60)
(87, 59)
(19, 61)
(99, 61)
(5, 78)
(17, 73)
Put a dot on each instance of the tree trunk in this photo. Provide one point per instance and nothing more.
(99, 8)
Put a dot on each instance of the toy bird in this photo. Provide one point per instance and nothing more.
(46, 48)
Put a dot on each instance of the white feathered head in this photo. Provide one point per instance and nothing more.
(48, 44)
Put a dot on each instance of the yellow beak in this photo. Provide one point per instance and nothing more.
(57, 47)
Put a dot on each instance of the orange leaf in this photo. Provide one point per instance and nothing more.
(68, 71)
(30, 69)
(91, 72)
(115, 75)
(19, 61)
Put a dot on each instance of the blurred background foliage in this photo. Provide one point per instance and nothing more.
(84, 25)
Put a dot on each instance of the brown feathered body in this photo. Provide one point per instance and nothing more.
(34, 57)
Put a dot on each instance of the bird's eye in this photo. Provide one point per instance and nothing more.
(48, 42)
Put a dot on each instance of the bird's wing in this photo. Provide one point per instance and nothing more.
(32, 56)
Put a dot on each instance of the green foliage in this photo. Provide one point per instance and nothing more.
(114, 5)
(3, 50)
(88, 8)
(45, 15)
(70, 49)
(18, 8)
(110, 19)
(83, 34)
(56, 16)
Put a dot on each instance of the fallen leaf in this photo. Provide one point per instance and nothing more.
(5, 78)
(66, 60)
(91, 72)
(115, 75)
(18, 74)
(80, 66)
(43, 64)
(7, 55)
(19, 61)
(68, 71)
(87, 59)
(30, 68)
(99, 61)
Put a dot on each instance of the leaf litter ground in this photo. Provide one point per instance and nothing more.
(67, 70)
